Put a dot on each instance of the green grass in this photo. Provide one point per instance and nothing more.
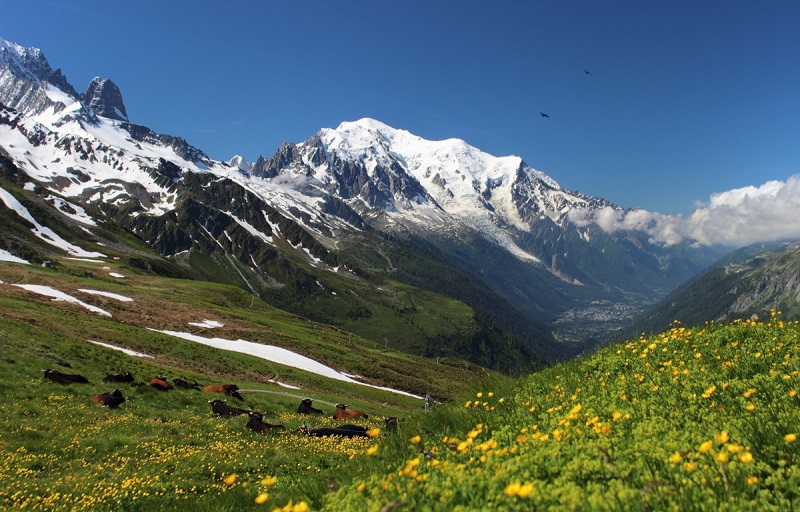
(699, 418)
(691, 419)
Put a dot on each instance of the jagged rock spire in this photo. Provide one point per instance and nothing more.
(103, 96)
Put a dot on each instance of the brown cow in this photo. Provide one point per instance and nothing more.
(223, 410)
(343, 413)
(160, 383)
(228, 389)
(256, 423)
(64, 378)
(112, 399)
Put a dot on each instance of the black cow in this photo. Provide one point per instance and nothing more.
(112, 399)
(120, 377)
(223, 410)
(306, 408)
(256, 423)
(391, 423)
(340, 431)
(185, 384)
(64, 378)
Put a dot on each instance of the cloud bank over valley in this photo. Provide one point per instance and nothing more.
(737, 217)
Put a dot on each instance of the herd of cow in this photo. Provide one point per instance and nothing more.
(113, 399)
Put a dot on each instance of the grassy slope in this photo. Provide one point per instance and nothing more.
(691, 418)
(54, 440)
(705, 418)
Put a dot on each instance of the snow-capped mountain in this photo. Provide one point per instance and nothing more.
(421, 184)
(354, 196)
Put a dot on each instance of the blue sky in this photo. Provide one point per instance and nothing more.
(685, 98)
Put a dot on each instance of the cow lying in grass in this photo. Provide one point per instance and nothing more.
(64, 378)
(256, 423)
(119, 377)
(228, 389)
(223, 410)
(340, 431)
(112, 399)
(343, 413)
(305, 407)
(185, 384)
(160, 383)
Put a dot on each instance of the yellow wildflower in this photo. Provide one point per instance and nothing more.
(722, 437)
(749, 392)
(676, 458)
(721, 457)
(790, 438)
(269, 480)
(512, 489)
(415, 440)
(708, 392)
(261, 498)
(373, 432)
(361, 486)
(705, 447)
(230, 479)
(689, 466)
(752, 480)
(525, 490)
(746, 457)
(372, 450)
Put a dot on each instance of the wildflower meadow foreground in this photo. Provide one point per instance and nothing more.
(702, 418)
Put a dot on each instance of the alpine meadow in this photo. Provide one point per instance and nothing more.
(373, 320)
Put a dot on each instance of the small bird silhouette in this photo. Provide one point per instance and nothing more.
(544, 115)
(586, 71)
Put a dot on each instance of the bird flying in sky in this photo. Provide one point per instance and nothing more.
(544, 115)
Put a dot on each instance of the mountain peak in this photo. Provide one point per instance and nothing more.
(25, 61)
(104, 97)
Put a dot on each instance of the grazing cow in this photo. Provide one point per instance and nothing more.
(160, 383)
(64, 378)
(306, 408)
(391, 423)
(343, 413)
(340, 431)
(223, 410)
(120, 377)
(228, 389)
(112, 399)
(256, 423)
(185, 384)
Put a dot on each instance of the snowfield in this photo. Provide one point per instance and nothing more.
(276, 355)
(60, 296)
(125, 350)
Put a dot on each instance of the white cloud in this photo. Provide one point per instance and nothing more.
(737, 217)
